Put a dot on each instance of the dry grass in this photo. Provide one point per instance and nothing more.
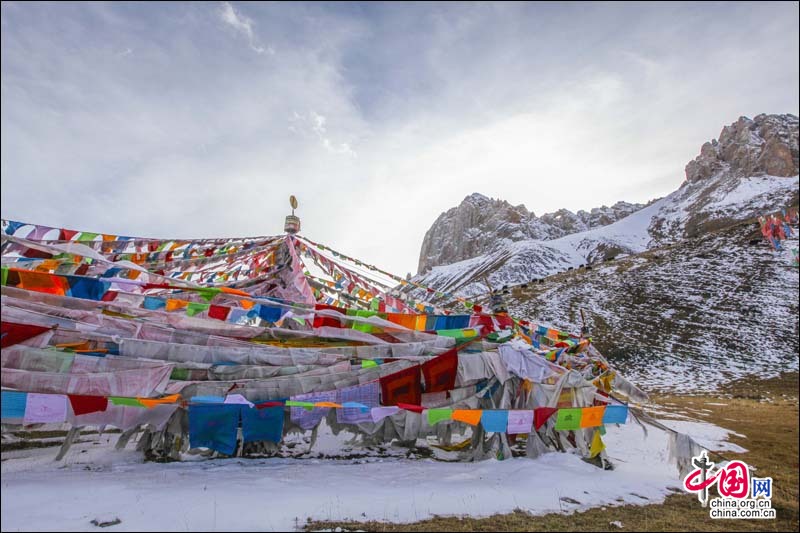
(765, 411)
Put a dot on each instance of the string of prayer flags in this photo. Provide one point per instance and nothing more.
(13, 404)
(152, 402)
(262, 424)
(214, 427)
(82, 405)
(494, 421)
(568, 419)
(437, 415)
(13, 333)
(468, 416)
(130, 402)
(592, 416)
(45, 408)
(379, 413)
(194, 308)
(597, 445)
(541, 415)
(520, 421)
(357, 401)
(402, 387)
(440, 372)
(615, 414)
(308, 419)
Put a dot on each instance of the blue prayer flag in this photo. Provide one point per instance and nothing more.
(494, 421)
(214, 427)
(615, 414)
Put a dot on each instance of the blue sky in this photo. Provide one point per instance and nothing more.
(199, 119)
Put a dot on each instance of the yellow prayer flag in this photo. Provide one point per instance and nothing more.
(597, 445)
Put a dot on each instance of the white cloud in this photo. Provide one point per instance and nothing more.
(243, 25)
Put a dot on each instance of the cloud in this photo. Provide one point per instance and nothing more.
(314, 124)
(550, 105)
(243, 25)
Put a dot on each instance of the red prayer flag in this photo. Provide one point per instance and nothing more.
(66, 234)
(13, 333)
(220, 312)
(541, 414)
(82, 405)
(403, 386)
(440, 372)
(410, 407)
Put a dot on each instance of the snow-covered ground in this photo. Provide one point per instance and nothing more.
(96, 483)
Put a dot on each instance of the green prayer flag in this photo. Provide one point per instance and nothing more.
(602, 430)
(208, 293)
(305, 405)
(194, 308)
(180, 373)
(86, 236)
(5, 275)
(437, 415)
(455, 333)
(568, 419)
(367, 363)
(299, 320)
(131, 402)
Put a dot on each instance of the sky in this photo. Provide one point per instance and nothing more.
(200, 119)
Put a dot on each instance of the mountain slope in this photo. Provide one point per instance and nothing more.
(729, 181)
(691, 314)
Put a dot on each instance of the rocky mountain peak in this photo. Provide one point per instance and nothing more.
(766, 144)
(480, 224)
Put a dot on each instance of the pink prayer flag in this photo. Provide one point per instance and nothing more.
(520, 421)
(379, 413)
(45, 408)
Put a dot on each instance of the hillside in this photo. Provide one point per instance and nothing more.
(693, 314)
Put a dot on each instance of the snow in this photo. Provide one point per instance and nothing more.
(95, 482)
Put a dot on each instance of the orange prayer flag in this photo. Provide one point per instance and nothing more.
(48, 264)
(469, 416)
(82, 345)
(247, 304)
(228, 290)
(172, 305)
(152, 402)
(41, 282)
(592, 416)
(326, 404)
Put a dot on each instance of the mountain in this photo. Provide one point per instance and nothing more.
(750, 170)
(481, 225)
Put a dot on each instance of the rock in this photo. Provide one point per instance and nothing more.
(106, 522)
(766, 144)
